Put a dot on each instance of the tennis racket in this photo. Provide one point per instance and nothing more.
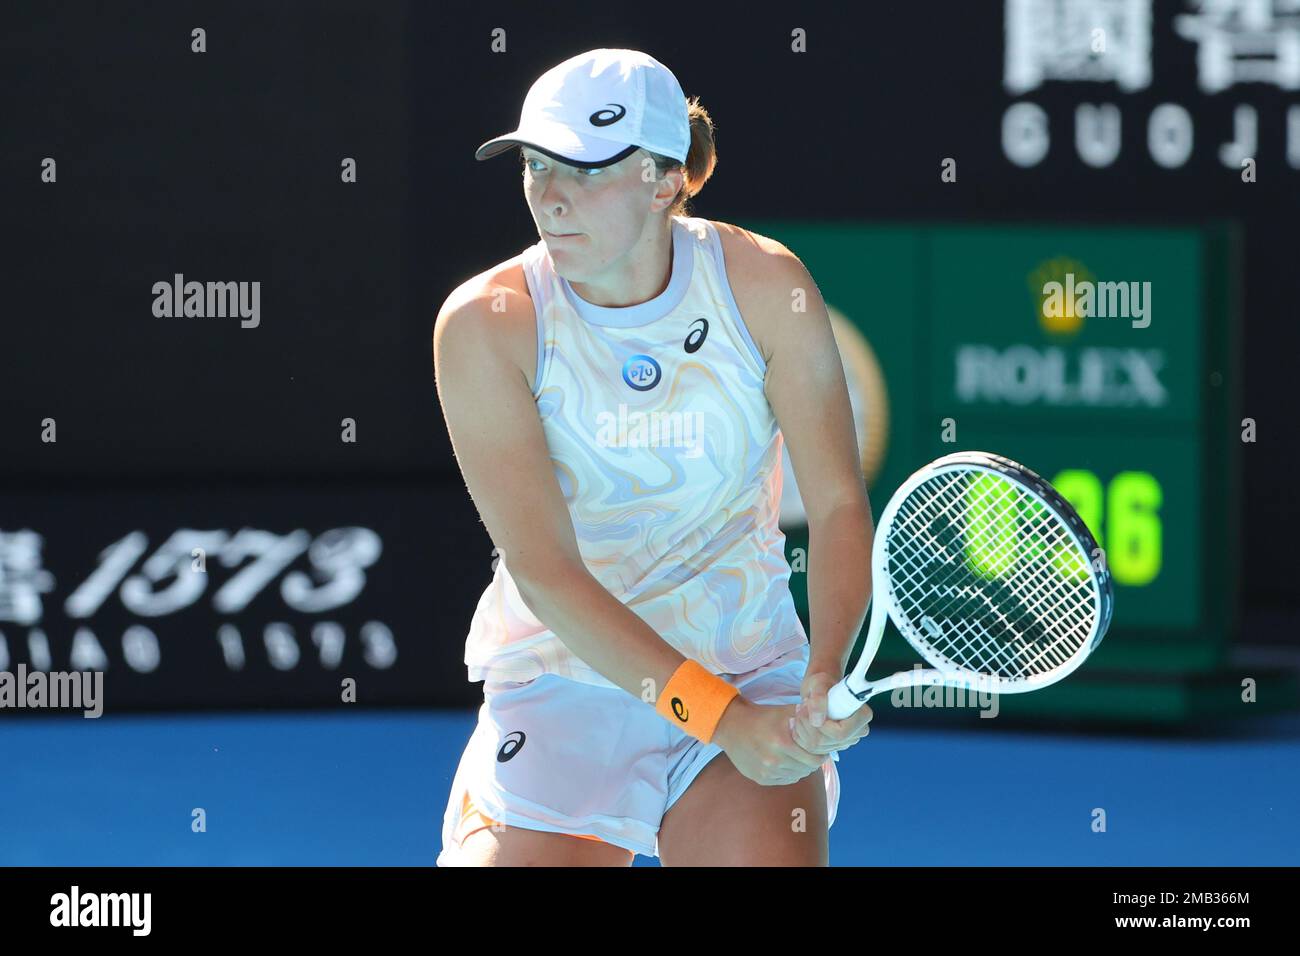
(989, 574)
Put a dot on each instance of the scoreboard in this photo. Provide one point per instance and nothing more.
(1102, 358)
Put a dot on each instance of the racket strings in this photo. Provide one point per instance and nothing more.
(988, 577)
(976, 644)
(999, 553)
(1036, 582)
(1049, 534)
(1031, 589)
(971, 644)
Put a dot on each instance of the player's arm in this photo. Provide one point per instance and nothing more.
(498, 441)
(806, 388)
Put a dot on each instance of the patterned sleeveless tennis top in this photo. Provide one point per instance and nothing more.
(669, 458)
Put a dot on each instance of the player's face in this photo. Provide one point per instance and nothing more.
(607, 208)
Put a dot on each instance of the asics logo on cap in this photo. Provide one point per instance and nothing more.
(608, 117)
(630, 82)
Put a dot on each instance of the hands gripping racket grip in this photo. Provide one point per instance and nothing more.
(841, 702)
(693, 700)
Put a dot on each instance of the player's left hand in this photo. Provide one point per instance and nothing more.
(813, 730)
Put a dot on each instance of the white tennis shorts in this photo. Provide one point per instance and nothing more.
(594, 762)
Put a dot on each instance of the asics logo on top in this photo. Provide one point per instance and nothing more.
(697, 335)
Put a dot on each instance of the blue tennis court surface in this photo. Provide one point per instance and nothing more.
(323, 788)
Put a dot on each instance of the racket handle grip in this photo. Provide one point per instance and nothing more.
(840, 702)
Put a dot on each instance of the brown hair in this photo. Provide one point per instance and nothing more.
(701, 158)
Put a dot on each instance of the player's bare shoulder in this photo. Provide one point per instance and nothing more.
(763, 275)
(497, 301)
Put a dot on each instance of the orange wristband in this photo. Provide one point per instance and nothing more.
(693, 700)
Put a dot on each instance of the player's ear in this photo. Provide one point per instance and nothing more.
(669, 184)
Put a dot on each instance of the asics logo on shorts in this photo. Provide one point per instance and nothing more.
(679, 710)
(608, 117)
(513, 744)
(697, 335)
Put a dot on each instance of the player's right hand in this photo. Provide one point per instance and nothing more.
(757, 739)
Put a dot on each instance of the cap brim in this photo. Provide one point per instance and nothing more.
(559, 143)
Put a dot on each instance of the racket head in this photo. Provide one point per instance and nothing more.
(985, 601)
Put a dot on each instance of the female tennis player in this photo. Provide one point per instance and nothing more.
(617, 396)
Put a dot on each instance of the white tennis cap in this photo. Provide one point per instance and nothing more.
(598, 107)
